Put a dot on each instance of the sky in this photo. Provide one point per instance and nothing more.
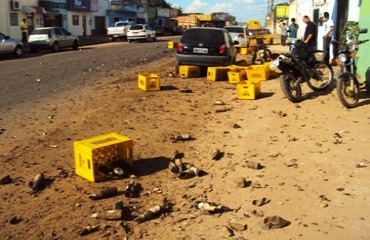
(243, 10)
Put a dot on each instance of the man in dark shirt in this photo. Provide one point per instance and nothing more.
(309, 33)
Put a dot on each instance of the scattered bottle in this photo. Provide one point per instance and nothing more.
(88, 229)
(183, 137)
(153, 212)
(132, 189)
(254, 165)
(105, 193)
(216, 154)
(179, 164)
(173, 167)
(38, 183)
(115, 214)
(174, 154)
(191, 172)
(210, 207)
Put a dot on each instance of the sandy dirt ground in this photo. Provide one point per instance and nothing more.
(314, 157)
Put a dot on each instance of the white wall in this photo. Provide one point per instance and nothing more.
(102, 12)
(13, 31)
(78, 29)
(354, 10)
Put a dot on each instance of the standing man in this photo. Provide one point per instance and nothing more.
(310, 34)
(292, 31)
(24, 30)
(283, 32)
(328, 29)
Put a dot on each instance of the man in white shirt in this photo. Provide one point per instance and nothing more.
(328, 34)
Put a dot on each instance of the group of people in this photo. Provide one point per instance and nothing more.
(310, 33)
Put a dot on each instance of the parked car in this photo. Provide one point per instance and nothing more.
(239, 34)
(205, 47)
(141, 32)
(52, 38)
(118, 30)
(10, 46)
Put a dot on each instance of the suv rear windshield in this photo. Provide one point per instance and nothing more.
(203, 35)
(41, 31)
(136, 27)
(235, 29)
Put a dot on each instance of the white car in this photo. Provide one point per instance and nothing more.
(239, 34)
(52, 38)
(10, 46)
(141, 32)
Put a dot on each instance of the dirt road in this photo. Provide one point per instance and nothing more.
(313, 153)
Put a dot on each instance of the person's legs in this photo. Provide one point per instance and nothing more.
(326, 48)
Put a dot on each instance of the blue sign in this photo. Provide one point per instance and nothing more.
(79, 5)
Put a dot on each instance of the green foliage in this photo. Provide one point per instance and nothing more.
(159, 3)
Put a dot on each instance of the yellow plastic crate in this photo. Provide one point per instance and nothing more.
(171, 44)
(248, 90)
(246, 51)
(256, 73)
(217, 73)
(189, 71)
(149, 82)
(93, 154)
(237, 75)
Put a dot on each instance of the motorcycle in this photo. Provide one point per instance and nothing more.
(261, 53)
(299, 66)
(348, 85)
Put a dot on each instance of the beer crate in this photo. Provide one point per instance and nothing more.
(171, 44)
(237, 75)
(189, 71)
(256, 73)
(149, 82)
(248, 90)
(93, 154)
(217, 73)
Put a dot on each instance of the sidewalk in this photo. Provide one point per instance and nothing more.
(91, 40)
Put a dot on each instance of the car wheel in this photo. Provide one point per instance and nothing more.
(55, 47)
(18, 52)
(113, 39)
(75, 45)
(130, 41)
(154, 38)
(34, 50)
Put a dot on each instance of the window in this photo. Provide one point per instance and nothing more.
(57, 32)
(75, 20)
(13, 19)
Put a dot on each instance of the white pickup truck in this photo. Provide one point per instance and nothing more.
(118, 30)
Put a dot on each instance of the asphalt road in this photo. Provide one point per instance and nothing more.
(36, 77)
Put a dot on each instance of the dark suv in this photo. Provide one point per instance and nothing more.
(205, 47)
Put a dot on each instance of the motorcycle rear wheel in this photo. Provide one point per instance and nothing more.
(324, 76)
(291, 90)
(348, 90)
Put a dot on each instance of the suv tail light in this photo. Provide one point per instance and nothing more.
(241, 35)
(180, 47)
(222, 49)
(49, 35)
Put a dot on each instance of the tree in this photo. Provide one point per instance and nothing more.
(159, 3)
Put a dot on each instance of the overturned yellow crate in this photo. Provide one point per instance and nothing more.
(217, 73)
(171, 44)
(247, 90)
(236, 75)
(95, 155)
(246, 51)
(149, 82)
(256, 73)
(189, 71)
